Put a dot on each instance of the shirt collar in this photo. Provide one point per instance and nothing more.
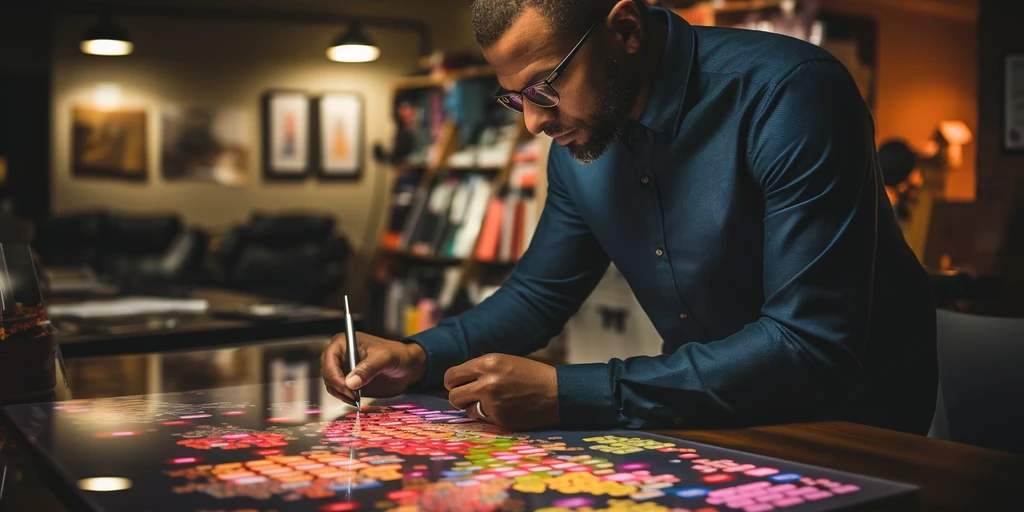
(665, 103)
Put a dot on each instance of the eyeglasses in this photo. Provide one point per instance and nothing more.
(541, 93)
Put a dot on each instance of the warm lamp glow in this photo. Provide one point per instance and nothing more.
(955, 132)
(353, 46)
(106, 96)
(106, 38)
(108, 47)
(104, 484)
(353, 53)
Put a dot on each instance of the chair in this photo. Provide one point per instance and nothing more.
(289, 256)
(130, 239)
(981, 381)
(103, 240)
(183, 263)
(129, 249)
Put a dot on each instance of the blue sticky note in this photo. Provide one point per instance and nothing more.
(786, 477)
(692, 492)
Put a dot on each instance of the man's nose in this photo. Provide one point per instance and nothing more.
(537, 118)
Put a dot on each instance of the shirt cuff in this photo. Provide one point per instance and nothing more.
(442, 353)
(585, 398)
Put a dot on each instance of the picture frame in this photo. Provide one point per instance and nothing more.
(338, 119)
(1013, 103)
(109, 143)
(204, 143)
(287, 134)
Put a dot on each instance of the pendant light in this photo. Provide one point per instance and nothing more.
(106, 38)
(353, 46)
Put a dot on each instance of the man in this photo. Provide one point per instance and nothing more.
(731, 177)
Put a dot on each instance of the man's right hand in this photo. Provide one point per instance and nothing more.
(386, 368)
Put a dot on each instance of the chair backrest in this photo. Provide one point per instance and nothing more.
(291, 256)
(104, 240)
(981, 380)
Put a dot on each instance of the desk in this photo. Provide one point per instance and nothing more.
(951, 476)
(156, 333)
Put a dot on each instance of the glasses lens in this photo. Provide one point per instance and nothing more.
(512, 101)
(541, 95)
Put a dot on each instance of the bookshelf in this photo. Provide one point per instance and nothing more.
(439, 248)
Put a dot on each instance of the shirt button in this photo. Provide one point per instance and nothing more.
(645, 179)
(680, 421)
(659, 252)
(684, 316)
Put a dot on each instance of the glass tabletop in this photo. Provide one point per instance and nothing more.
(288, 446)
(21, 485)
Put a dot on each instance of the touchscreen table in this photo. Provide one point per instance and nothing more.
(272, 448)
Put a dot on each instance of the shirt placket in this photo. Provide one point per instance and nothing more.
(646, 146)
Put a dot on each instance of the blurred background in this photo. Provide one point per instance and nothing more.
(194, 174)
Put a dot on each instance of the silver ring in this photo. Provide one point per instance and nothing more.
(480, 411)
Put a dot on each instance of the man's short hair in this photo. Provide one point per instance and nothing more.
(492, 18)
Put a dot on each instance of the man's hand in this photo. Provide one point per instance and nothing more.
(386, 368)
(514, 392)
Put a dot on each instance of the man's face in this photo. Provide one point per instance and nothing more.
(595, 95)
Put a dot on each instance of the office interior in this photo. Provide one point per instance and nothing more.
(203, 183)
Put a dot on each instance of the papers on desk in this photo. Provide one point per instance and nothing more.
(66, 280)
(81, 286)
(127, 306)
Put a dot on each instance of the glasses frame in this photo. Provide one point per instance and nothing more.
(555, 73)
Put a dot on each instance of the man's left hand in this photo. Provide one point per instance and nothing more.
(514, 393)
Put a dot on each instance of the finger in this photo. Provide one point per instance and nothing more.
(336, 394)
(462, 397)
(332, 370)
(462, 374)
(346, 395)
(377, 360)
(472, 412)
(331, 366)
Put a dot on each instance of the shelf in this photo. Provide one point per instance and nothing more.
(746, 5)
(470, 168)
(440, 80)
(424, 258)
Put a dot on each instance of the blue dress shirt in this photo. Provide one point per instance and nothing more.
(745, 210)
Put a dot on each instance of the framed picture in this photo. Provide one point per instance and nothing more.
(287, 147)
(1013, 104)
(203, 143)
(339, 135)
(109, 143)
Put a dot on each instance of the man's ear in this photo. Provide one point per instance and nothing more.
(626, 24)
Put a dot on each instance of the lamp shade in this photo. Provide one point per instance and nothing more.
(353, 46)
(106, 38)
(955, 132)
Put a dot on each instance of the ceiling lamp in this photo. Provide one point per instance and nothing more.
(106, 38)
(353, 46)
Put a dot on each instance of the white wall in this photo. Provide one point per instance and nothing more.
(230, 64)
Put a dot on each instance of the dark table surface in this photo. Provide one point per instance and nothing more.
(951, 476)
(226, 321)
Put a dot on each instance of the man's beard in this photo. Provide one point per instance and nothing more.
(610, 113)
